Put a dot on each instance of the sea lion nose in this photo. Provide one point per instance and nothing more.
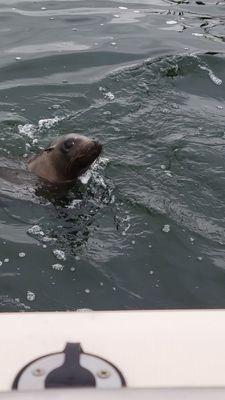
(97, 144)
(96, 141)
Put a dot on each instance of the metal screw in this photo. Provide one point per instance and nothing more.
(103, 374)
(38, 372)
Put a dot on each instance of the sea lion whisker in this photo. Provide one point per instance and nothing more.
(69, 166)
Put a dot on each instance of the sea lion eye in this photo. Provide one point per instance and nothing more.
(68, 144)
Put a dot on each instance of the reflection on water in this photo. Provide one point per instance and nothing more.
(144, 228)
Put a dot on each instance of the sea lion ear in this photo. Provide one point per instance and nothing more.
(50, 148)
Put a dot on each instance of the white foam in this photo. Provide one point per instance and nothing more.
(212, 76)
(58, 267)
(48, 122)
(85, 177)
(30, 296)
(109, 95)
(34, 230)
(74, 203)
(166, 228)
(27, 130)
(59, 254)
(93, 172)
(198, 34)
(171, 22)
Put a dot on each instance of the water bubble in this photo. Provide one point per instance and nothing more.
(48, 122)
(27, 129)
(109, 95)
(35, 230)
(6, 260)
(74, 203)
(166, 228)
(30, 296)
(59, 254)
(57, 267)
(21, 254)
(72, 269)
(1, 263)
(112, 201)
(168, 173)
(48, 239)
(122, 8)
(171, 22)
(199, 258)
(116, 16)
(212, 76)
(18, 58)
(87, 290)
(215, 79)
(197, 34)
(151, 272)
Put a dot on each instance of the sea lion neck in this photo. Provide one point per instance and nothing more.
(43, 166)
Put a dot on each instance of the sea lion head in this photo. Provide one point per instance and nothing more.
(66, 158)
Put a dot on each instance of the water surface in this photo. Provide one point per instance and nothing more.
(145, 229)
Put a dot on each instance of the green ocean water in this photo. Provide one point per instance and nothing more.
(145, 229)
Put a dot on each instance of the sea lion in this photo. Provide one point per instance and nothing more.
(65, 159)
